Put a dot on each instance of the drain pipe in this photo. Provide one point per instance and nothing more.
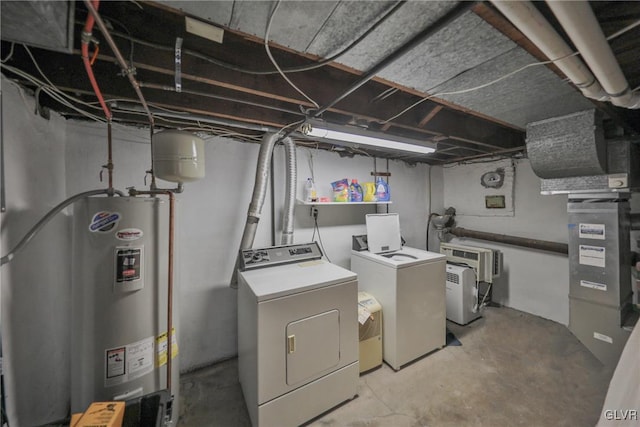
(527, 19)
(543, 245)
(269, 141)
(580, 23)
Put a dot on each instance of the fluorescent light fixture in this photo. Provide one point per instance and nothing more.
(363, 137)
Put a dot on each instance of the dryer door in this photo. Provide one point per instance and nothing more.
(313, 346)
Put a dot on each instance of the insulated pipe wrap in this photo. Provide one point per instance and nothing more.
(567, 146)
(290, 197)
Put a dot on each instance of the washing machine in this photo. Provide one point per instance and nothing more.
(410, 284)
(297, 334)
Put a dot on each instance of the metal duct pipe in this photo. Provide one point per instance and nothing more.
(290, 196)
(525, 16)
(580, 23)
(544, 245)
(269, 141)
(259, 190)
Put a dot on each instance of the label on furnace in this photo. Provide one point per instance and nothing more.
(591, 231)
(592, 255)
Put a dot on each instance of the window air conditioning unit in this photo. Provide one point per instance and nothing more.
(485, 262)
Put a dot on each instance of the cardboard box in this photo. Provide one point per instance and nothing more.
(102, 414)
(75, 418)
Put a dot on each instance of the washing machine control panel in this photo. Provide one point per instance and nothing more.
(278, 255)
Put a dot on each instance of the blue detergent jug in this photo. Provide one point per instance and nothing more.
(382, 190)
(355, 191)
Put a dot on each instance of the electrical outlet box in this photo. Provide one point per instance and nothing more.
(313, 212)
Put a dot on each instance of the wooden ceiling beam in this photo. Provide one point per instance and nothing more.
(435, 110)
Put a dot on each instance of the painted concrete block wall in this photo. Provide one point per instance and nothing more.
(48, 161)
(533, 281)
(408, 188)
(36, 284)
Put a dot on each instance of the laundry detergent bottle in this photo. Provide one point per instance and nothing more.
(369, 191)
(382, 190)
(310, 194)
(355, 191)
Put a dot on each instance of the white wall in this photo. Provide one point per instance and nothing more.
(48, 161)
(338, 223)
(533, 281)
(36, 284)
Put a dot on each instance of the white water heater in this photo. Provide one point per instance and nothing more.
(119, 344)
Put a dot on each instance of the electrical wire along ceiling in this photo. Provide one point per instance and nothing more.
(462, 77)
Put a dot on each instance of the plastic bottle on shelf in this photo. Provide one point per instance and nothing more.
(355, 191)
(382, 190)
(369, 192)
(310, 194)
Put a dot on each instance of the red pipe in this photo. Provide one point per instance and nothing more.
(86, 38)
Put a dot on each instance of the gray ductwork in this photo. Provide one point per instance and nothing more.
(290, 196)
(269, 142)
(571, 145)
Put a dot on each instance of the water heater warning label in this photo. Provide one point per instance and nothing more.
(128, 264)
(128, 362)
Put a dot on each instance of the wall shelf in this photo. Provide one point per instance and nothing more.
(302, 202)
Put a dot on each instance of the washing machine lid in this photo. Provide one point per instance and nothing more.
(383, 232)
(279, 281)
(404, 257)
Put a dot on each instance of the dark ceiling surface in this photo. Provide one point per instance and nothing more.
(385, 56)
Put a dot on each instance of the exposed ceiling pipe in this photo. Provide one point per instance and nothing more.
(123, 63)
(525, 16)
(86, 39)
(580, 23)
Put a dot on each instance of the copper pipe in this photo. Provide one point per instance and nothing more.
(86, 38)
(119, 57)
(171, 195)
(109, 157)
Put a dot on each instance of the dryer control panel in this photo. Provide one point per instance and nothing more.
(278, 255)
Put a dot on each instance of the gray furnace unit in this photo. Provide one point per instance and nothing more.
(572, 157)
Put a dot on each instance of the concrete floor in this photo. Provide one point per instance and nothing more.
(513, 369)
